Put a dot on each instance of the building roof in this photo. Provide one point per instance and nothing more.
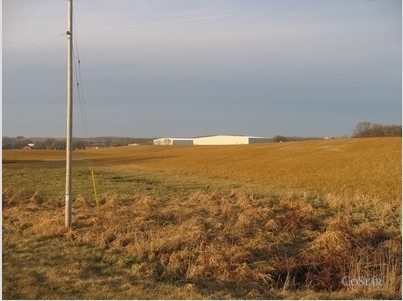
(163, 138)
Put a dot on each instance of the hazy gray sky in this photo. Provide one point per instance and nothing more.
(154, 68)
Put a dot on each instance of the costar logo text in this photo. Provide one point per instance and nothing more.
(361, 281)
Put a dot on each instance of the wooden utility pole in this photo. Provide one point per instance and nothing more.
(69, 132)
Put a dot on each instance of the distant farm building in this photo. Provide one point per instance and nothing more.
(230, 140)
(173, 141)
(213, 140)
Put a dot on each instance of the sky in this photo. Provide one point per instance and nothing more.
(187, 68)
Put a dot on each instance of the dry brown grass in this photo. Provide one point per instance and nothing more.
(251, 246)
(328, 219)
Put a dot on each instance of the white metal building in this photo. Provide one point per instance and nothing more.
(229, 140)
(173, 141)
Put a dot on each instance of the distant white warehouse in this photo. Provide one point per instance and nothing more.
(212, 140)
(173, 141)
(230, 140)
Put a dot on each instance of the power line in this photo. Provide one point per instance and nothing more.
(83, 111)
(322, 5)
(35, 40)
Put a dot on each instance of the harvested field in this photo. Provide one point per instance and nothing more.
(282, 221)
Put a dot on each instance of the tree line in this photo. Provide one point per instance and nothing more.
(368, 129)
(77, 143)
(362, 130)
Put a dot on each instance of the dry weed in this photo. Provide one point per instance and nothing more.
(295, 242)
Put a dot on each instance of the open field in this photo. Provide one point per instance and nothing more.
(281, 220)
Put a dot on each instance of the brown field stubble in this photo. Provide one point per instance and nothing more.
(297, 244)
(351, 167)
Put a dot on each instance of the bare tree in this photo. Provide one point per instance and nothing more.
(362, 129)
(366, 129)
